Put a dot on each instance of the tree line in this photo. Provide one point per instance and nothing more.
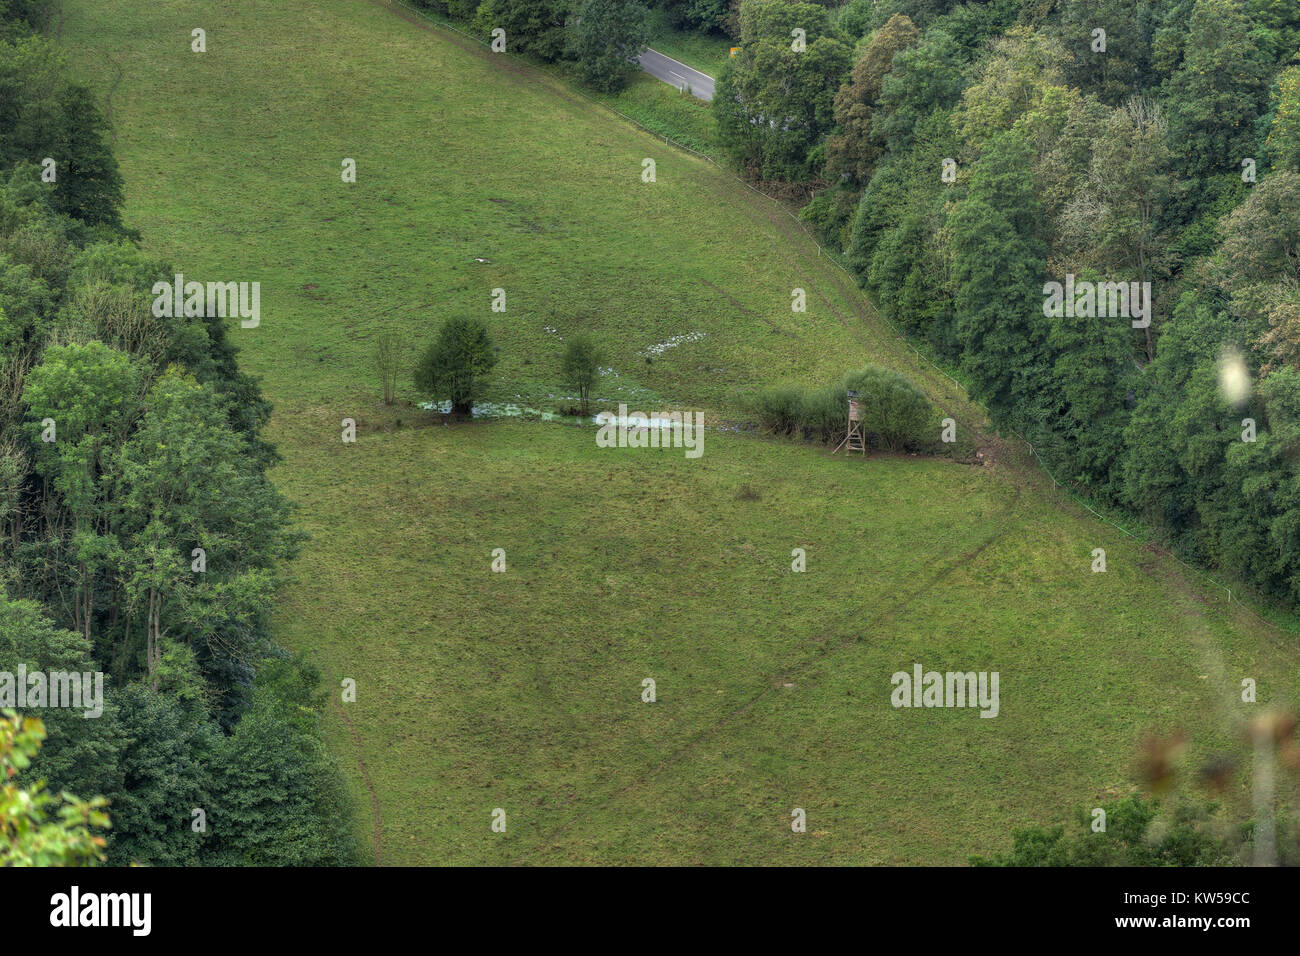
(139, 534)
(597, 40)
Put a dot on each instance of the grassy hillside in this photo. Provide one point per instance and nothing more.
(522, 690)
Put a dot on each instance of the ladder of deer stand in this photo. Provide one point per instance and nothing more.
(853, 440)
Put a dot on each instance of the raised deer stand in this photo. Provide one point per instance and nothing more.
(853, 440)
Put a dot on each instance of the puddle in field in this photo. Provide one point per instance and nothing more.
(503, 410)
(511, 410)
(673, 342)
(524, 413)
(635, 420)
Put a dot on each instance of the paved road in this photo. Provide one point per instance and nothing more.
(677, 74)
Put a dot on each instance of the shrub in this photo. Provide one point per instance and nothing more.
(535, 27)
(453, 368)
(830, 214)
(894, 409)
(824, 414)
(778, 409)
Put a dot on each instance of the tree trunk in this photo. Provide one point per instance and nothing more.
(150, 630)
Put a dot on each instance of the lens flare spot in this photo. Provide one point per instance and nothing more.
(1234, 377)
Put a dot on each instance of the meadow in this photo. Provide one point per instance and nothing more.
(523, 690)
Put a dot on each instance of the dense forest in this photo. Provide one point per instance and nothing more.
(1142, 155)
(139, 534)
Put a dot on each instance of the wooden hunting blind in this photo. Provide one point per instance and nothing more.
(853, 440)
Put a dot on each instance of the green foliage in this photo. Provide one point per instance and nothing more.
(1284, 137)
(535, 27)
(454, 367)
(1021, 69)
(1229, 502)
(89, 392)
(1218, 90)
(703, 15)
(43, 115)
(1259, 255)
(896, 249)
(850, 151)
(1115, 72)
(892, 408)
(80, 754)
(895, 413)
(1111, 220)
(976, 23)
(824, 414)
(156, 453)
(36, 827)
(830, 216)
(165, 767)
(774, 103)
(778, 409)
(23, 15)
(1137, 834)
(1079, 425)
(997, 268)
(604, 40)
(1279, 25)
(276, 795)
(855, 19)
(1178, 435)
(924, 79)
(188, 481)
(1170, 35)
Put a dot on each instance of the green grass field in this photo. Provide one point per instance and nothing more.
(522, 690)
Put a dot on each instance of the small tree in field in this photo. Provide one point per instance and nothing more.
(453, 367)
(581, 366)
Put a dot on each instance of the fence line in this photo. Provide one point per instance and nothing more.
(446, 24)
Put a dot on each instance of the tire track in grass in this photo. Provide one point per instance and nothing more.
(746, 311)
(854, 330)
(108, 98)
(824, 652)
(377, 839)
